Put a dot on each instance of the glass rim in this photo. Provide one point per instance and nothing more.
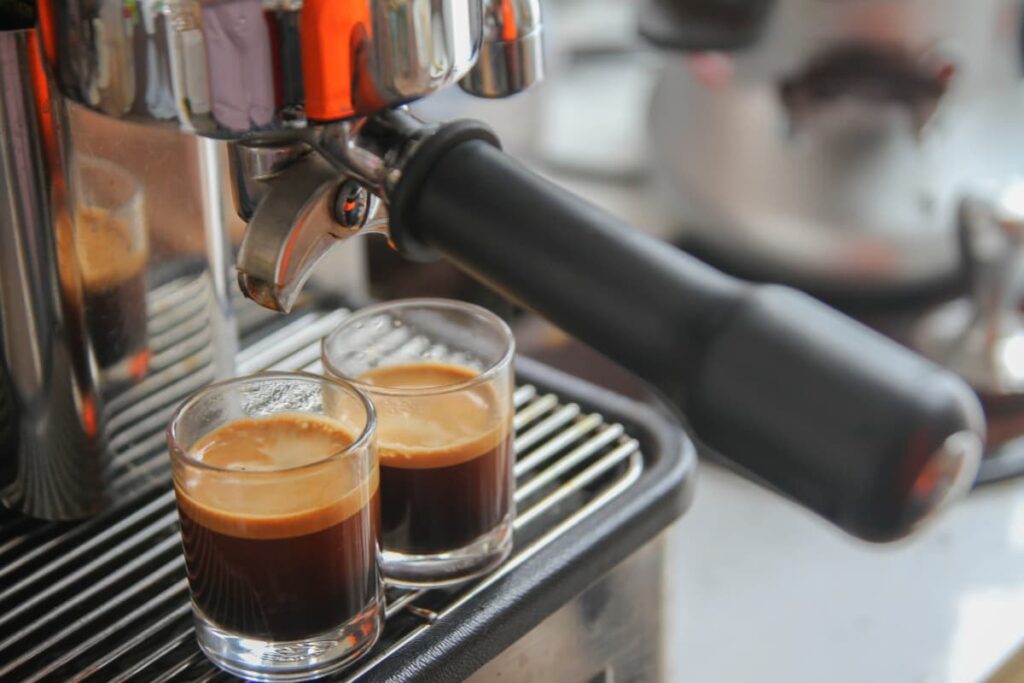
(369, 428)
(485, 375)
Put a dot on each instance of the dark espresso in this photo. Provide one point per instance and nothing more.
(284, 561)
(114, 289)
(445, 460)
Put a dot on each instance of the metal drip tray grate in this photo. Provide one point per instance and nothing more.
(106, 599)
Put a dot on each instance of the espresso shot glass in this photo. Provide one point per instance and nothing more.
(276, 480)
(440, 375)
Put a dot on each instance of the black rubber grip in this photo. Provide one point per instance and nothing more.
(819, 407)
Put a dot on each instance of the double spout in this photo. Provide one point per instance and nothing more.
(301, 197)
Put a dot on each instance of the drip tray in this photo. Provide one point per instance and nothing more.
(597, 476)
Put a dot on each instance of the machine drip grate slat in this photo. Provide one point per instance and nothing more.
(106, 598)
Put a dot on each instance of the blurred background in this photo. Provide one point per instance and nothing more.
(872, 154)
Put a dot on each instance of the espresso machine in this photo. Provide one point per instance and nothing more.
(319, 149)
(163, 156)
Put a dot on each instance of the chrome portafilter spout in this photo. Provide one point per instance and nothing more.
(302, 196)
(284, 192)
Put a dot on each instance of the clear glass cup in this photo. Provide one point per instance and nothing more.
(111, 253)
(440, 375)
(276, 480)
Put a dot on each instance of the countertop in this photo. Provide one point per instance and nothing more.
(760, 590)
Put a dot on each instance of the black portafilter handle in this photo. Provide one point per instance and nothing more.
(810, 402)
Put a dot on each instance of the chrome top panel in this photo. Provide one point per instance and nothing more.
(241, 68)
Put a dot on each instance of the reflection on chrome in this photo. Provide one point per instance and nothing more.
(238, 68)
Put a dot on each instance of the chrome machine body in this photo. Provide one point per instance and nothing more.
(238, 69)
(831, 146)
(86, 298)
